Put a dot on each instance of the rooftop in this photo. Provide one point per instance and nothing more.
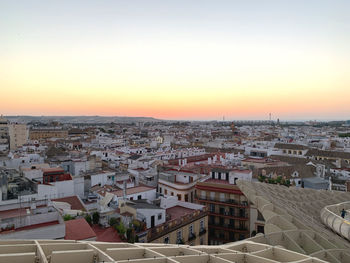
(78, 229)
(74, 201)
(142, 204)
(129, 191)
(217, 181)
(178, 211)
(106, 234)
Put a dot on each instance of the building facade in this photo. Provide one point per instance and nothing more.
(228, 208)
(18, 134)
(37, 134)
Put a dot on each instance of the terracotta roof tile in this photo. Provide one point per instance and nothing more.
(78, 229)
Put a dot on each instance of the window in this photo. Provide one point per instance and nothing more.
(179, 197)
(201, 225)
(160, 190)
(212, 195)
(178, 235)
(260, 229)
(212, 220)
(212, 208)
(186, 197)
(166, 240)
(190, 229)
(222, 197)
(242, 212)
(159, 216)
(242, 225)
(201, 241)
(139, 197)
(165, 191)
(172, 193)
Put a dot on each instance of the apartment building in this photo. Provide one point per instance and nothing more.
(37, 134)
(292, 149)
(228, 208)
(18, 134)
(185, 225)
(4, 135)
(170, 222)
(179, 183)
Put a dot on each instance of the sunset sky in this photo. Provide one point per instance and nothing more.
(198, 60)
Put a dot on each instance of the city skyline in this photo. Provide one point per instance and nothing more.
(198, 60)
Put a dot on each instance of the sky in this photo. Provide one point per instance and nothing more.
(188, 60)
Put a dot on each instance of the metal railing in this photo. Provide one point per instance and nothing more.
(225, 201)
(191, 236)
(174, 224)
(335, 221)
(202, 231)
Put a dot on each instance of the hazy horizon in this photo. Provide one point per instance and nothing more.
(218, 119)
(194, 60)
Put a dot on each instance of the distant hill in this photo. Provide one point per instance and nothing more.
(80, 119)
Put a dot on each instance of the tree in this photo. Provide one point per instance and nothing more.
(120, 228)
(95, 217)
(88, 219)
(67, 217)
(113, 221)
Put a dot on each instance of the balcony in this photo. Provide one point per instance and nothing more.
(229, 227)
(174, 224)
(230, 202)
(202, 231)
(191, 236)
(231, 215)
(180, 241)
